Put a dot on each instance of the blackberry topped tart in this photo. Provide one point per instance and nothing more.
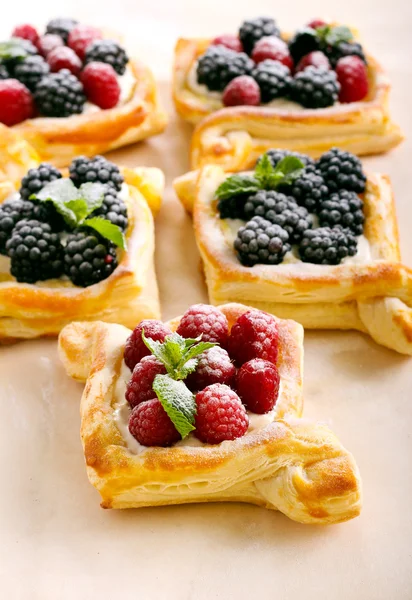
(264, 88)
(313, 240)
(203, 408)
(71, 90)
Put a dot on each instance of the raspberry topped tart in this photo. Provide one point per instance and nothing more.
(72, 90)
(311, 240)
(263, 88)
(206, 408)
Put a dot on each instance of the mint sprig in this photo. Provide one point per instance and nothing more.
(178, 402)
(333, 35)
(12, 50)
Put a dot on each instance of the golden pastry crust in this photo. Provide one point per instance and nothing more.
(292, 465)
(59, 140)
(374, 296)
(234, 137)
(128, 295)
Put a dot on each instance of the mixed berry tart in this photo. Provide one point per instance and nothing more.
(281, 88)
(205, 407)
(313, 240)
(61, 87)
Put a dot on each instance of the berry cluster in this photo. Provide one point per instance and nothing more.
(320, 65)
(42, 245)
(239, 372)
(54, 74)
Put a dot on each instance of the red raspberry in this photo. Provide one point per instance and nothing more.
(229, 41)
(315, 59)
(206, 320)
(274, 48)
(47, 43)
(214, 367)
(64, 58)
(242, 90)
(16, 102)
(220, 415)
(81, 36)
(100, 84)
(139, 389)
(151, 426)
(135, 348)
(353, 78)
(316, 23)
(254, 335)
(26, 32)
(257, 384)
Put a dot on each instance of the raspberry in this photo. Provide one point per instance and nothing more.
(353, 78)
(315, 23)
(274, 48)
(26, 32)
(229, 41)
(257, 384)
(151, 426)
(16, 102)
(64, 58)
(220, 415)
(81, 37)
(242, 90)
(101, 85)
(206, 320)
(47, 43)
(254, 335)
(313, 59)
(139, 388)
(214, 367)
(135, 348)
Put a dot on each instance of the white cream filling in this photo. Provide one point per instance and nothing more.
(126, 82)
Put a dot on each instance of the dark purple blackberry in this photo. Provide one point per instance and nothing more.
(343, 208)
(61, 26)
(35, 179)
(107, 51)
(342, 171)
(276, 155)
(95, 170)
(326, 246)
(35, 252)
(4, 74)
(88, 257)
(304, 41)
(232, 208)
(60, 95)
(261, 242)
(273, 79)
(334, 53)
(113, 209)
(253, 30)
(30, 71)
(309, 190)
(219, 65)
(280, 210)
(315, 87)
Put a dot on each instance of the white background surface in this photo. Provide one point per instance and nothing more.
(56, 543)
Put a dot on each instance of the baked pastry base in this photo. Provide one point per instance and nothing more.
(374, 297)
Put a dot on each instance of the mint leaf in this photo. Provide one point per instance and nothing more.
(236, 185)
(333, 35)
(264, 172)
(79, 208)
(93, 195)
(188, 368)
(287, 169)
(198, 349)
(108, 230)
(178, 402)
(59, 190)
(12, 49)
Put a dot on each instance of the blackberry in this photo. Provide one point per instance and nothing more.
(36, 179)
(273, 78)
(309, 190)
(35, 251)
(219, 65)
(252, 31)
(233, 208)
(88, 258)
(107, 51)
(4, 74)
(29, 49)
(334, 53)
(304, 41)
(62, 27)
(276, 155)
(95, 170)
(326, 246)
(343, 208)
(113, 209)
(261, 242)
(60, 95)
(280, 210)
(342, 171)
(30, 71)
(315, 87)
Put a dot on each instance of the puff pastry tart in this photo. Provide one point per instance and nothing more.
(74, 90)
(304, 245)
(76, 247)
(262, 89)
(265, 454)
